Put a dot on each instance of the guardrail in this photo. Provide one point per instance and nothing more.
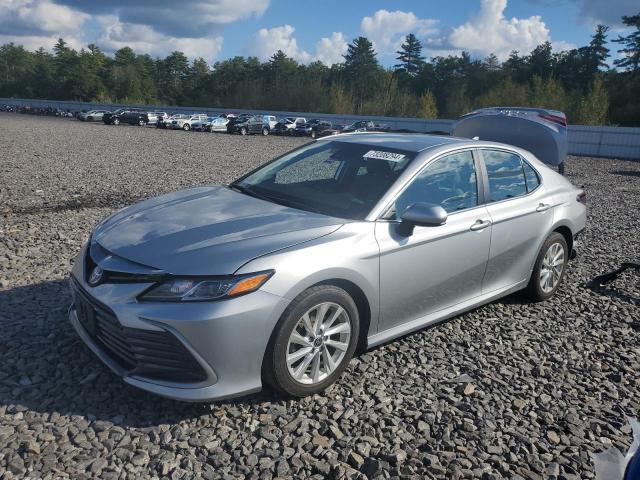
(596, 141)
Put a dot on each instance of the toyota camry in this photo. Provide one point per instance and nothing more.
(340, 245)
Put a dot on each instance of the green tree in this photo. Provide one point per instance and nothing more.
(410, 57)
(630, 45)
(360, 69)
(427, 107)
(593, 108)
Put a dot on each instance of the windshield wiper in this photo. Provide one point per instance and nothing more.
(249, 191)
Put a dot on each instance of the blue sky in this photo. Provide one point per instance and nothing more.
(308, 31)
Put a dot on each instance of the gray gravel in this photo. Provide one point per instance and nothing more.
(510, 390)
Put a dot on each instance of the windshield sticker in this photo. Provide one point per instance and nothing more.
(380, 155)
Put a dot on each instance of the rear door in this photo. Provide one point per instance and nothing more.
(520, 214)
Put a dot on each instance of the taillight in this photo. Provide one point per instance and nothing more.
(582, 197)
(554, 118)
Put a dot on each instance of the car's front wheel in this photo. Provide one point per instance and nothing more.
(116, 121)
(313, 341)
(141, 123)
(243, 131)
(186, 127)
(549, 268)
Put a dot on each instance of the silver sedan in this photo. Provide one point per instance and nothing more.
(342, 244)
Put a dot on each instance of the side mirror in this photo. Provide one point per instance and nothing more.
(423, 215)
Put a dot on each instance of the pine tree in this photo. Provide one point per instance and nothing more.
(410, 56)
(361, 68)
(631, 45)
(597, 49)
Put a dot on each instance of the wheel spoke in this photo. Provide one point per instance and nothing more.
(297, 355)
(341, 328)
(333, 318)
(299, 339)
(328, 359)
(307, 323)
(315, 368)
(299, 373)
(338, 345)
(320, 313)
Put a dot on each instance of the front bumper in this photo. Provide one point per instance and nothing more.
(226, 338)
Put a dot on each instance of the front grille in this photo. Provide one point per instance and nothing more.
(156, 355)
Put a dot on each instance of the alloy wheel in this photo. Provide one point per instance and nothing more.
(552, 266)
(318, 343)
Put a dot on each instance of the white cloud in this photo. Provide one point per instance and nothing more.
(387, 29)
(184, 18)
(490, 32)
(144, 39)
(267, 41)
(39, 23)
(331, 50)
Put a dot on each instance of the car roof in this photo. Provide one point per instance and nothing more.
(414, 142)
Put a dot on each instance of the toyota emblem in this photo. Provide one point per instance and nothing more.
(96, 276)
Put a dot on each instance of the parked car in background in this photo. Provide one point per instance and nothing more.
(352, 240)
(271, 120)
(184, 122)
(91, 115)
(202, 124)
(315, 129)
(218, 124)
(136, 116)
(541, 131)
(250, 125)
(365, 126)
(113, 118)
(165, 122)
(233, 119)
(286, 126)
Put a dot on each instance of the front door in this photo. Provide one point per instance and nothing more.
(434, 267)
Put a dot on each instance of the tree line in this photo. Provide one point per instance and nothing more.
(579, 81)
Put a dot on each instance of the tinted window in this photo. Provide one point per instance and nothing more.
(532, 177)
(449, 181)
(334, 178)
(506, 176)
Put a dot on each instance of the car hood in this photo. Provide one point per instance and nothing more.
(207, 231)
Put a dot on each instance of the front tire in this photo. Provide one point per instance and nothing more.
(265, 132)
(116, 121)
(141, 123)
(243, 131)
(313, 341)
(186, 127)
(548, 271)
(561, 168)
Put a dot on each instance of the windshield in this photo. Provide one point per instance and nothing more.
(334, 178)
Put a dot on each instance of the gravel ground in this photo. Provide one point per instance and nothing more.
(509, 390)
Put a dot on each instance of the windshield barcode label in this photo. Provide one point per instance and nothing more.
(388, 156)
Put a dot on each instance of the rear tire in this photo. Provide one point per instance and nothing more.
(116, 121)
(186, 127)
(313, 134)
(561, 168)
(302, 369)
(265, 132)
(243, 131)
(548, 271)
(141, 123)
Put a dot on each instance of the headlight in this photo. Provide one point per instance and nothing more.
(203, 289)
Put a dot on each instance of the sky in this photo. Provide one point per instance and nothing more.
(309, 31)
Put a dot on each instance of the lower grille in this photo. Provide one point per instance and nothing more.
(156, 355)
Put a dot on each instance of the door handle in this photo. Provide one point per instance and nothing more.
(543, 207)
(480, 225)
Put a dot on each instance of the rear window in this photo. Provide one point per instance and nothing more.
(506, 175)
(533, 181)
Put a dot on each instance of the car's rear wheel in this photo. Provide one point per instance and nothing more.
(265, 132)
(313, 134)
(186, 127)
(548, 271)
(313, 341)
(243, 131)
(116, 121)
(561, 168)
(141, 123)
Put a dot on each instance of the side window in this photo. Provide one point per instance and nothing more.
(533, 181)
(506, 176)
(449, 181)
